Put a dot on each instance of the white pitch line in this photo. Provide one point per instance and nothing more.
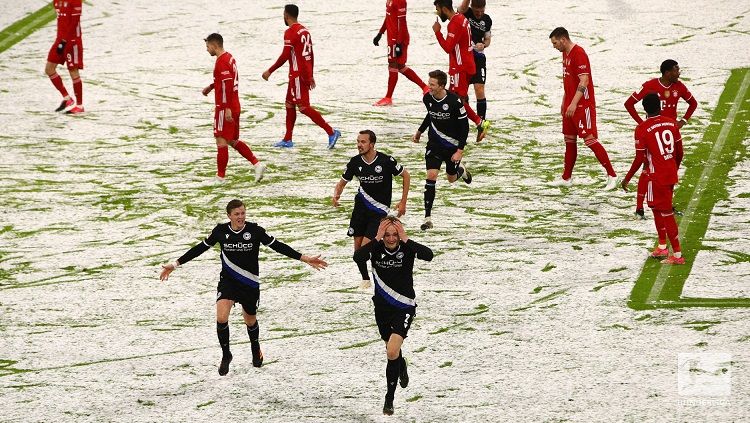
(21, 32)
(661, 277)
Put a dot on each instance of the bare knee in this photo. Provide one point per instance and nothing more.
(221, 142)
(50, 68)
(74, 73)
(392, 351)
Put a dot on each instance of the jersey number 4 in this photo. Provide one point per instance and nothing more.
(236, 77)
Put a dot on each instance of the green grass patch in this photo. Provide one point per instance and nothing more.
(21, 29)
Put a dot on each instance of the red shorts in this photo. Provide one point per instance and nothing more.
(72, 55)
(459, 82)
(401, 60)
(230, 131)
(298, 92)
(582, 124)
(659, 197)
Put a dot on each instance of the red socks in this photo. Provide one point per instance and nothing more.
(57, 82)
(471, 114)
(291, 118)
(392, 79)
(222, 158)
(317, 118)
(571, 154)
(671, 227)
(412, 76)
(78, 90)
(641, 193)
(245, 151)
(661, 231)
(601, 155)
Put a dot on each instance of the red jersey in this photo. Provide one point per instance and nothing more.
(226, 83)
(576, 63)
(68, 19)
(669, 95)
(658, 136)
(395, 22)
(458, 44)
(298, 51)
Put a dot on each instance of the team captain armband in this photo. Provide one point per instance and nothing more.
(581, 88)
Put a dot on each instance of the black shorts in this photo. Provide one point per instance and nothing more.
(364, 222)
(248, 296)
(392, 320)
(480, 75)
(434, 159)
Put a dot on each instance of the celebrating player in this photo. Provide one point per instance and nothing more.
(227, 112)
(298, 51)
(446, 118)
(657, 144)
(670, 89)
(68, 49)
(375, 171)
(398, 47)
(392, 256)
(481, 37)
(239, 282)
(460, 57)
(578, 108)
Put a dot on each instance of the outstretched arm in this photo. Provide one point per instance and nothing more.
(313, 261)
(192, 253)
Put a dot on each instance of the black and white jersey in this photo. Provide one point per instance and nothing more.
(392, 271)
(447, 122)
(375, 180)
(239, 251)
(479, 27)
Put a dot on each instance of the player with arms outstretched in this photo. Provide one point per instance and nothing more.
(68, 49)
(239, 282)
(397, 33)
(657, 144)
(670, 90)
(298, 51)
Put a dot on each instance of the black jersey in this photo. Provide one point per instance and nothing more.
(375, 180)
(479, 27)
(393, 271)
(447, 121)
(239, 251)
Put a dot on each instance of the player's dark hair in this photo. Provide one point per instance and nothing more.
(292, 10)
(667, 66)
(215, 38)
(442, 78)
(652, 104)
(478, 3)
(444, 3)
(234, 204)
(370, 134)
(559, 32)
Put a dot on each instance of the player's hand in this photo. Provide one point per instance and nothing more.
(457, 156)
(416, 136)
(207, 90)
(401, 207)
(266, 75)
(312, 83)
(681, 123)
(61, 47)
(166, 270)
(479, 47)
(397, 50)
(400, 229)
(384, 223)
(570, 110)
(624, 184)
(376, 40)
(228, 115)
(335, 201)
(436, 26)
(315, 262)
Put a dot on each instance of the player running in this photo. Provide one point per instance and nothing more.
(670, 90)
(578, 108)
(657, 144)
(239, 282)
(392, 256)
(68, 49)
(449, 127)
(375, 171)
(398, 47)
(227, 112)
(480, 24)
(457, 44)
(298, 51)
